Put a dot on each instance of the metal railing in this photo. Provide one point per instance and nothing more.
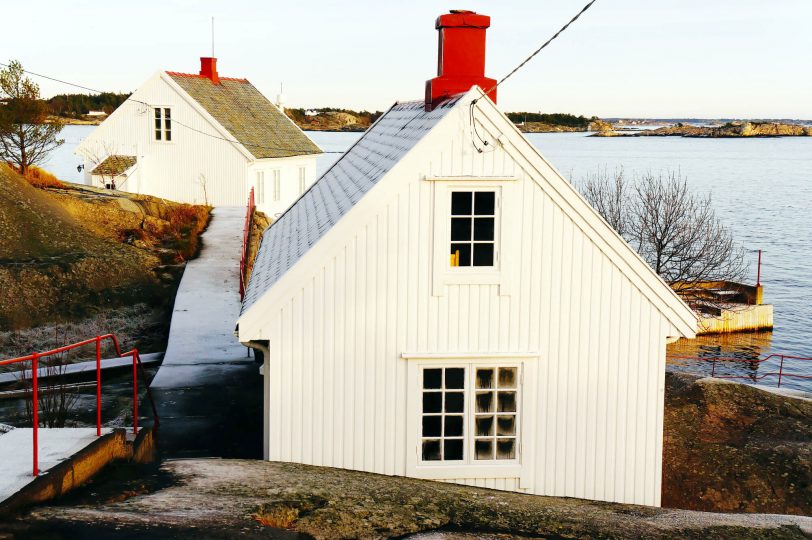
(37, 356)
(753, 363)
(246, 232)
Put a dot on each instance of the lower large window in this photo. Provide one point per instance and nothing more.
(469, 413)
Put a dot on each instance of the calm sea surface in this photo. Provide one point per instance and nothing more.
(761, 188)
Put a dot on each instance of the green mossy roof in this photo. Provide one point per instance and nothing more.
(249, 117)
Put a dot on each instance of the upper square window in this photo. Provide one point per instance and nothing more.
(473, 228)
(163, 124)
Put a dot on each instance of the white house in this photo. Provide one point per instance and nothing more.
(443, 304)
(201, 138)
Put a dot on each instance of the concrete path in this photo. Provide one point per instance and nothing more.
(55, 446)
(208, 392)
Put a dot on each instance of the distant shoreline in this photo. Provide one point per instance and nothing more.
(727, 131)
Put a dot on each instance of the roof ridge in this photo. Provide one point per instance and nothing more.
(198, 76)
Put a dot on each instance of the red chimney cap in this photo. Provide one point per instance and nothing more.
(462, 18)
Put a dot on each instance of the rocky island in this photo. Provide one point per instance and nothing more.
(727, 130)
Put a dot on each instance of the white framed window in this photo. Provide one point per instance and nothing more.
(473, 228)
(475, 240)
(469, 414)
(442, 431)
(277, 184)
(162, 123)
(302, 178)
(260, 187)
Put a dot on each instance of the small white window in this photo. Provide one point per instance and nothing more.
(260, 187)
(469, 414)
(443, 418)
(302, 183)
(277, 184)
(495, 413)
(163, 124)
(473, 228)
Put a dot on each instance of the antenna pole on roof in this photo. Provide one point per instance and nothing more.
(212, 37)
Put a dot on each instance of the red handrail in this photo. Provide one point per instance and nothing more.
(34, 359)
(780, 358)
(245, 234)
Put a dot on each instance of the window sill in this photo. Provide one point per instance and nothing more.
(467, 470)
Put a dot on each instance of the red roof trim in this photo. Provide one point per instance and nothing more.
(196, 76)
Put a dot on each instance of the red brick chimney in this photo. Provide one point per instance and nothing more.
(461, 57)
(208, 69)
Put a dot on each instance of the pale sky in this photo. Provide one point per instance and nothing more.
(649, 58)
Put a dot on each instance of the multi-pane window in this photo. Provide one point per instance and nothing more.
(473, 228)
(163, 124)
(443, 414)
(302, 177)
(260, 187)
(495, 414)
(469, 413)
(277, 184)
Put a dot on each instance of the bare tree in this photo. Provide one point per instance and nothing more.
(25, 137)
(204, 184)
(676, 231)
(609, 195)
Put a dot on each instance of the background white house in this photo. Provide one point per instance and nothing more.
(201, 138)
(443, 304)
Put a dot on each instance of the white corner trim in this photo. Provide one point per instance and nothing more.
(471, 179)
(466, 356)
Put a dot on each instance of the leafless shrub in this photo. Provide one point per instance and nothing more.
(56, 398)
(676, 231)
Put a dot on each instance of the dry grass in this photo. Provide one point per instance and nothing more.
(40, 178)
(186, 222)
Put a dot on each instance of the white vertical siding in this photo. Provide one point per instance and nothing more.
(339, 385)
(289, 181)
(173, 170)
(196, 156)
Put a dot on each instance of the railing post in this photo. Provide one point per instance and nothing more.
(135, 391)
(780, 371)
(98, 386)
(35, 411)
(713, 367)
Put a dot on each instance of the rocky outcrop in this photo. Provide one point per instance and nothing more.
(250, 498)
(735, 448)
(731, 129)
(543, 127)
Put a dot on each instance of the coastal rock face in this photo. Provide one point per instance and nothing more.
(735, 448)
(223, 498)
(731, 129)
(600, 125)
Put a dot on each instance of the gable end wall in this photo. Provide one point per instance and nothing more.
(338, 386)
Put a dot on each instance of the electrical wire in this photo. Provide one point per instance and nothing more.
(175, 121)
(543, 46)
(524, 62)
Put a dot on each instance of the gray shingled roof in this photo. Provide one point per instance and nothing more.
(337, 191)
(114, 165)
(251, 119)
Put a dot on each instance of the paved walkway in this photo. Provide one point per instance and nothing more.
(55, 446)
(208, 392)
